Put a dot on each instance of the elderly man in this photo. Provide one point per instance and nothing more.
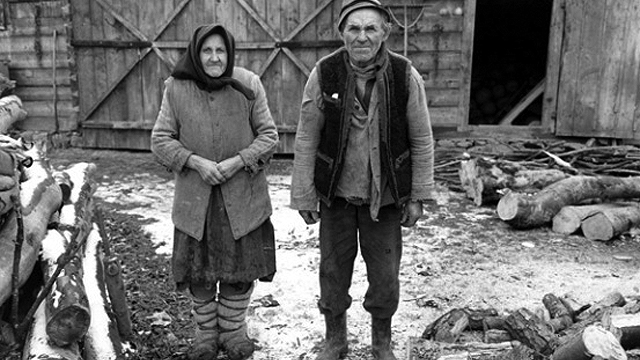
(363, 167)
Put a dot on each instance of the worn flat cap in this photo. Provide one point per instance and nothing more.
(349, 6)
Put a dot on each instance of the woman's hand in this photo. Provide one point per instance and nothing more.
(208, 169)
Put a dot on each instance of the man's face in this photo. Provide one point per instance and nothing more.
(363, 34)
(213, 55)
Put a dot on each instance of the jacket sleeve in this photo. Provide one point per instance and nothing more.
(165, 136)
(421, 137)
(258, 153)
(303, 191)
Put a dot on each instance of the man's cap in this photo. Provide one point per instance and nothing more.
(349, 6)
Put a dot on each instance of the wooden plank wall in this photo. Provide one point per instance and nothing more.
(33, 31)
(436, 48)
(599, 85)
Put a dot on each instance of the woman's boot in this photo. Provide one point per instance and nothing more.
(335, 344)
(233, 327)
(381, 339)
(205, 344)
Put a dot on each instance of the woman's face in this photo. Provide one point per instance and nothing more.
(213, 55)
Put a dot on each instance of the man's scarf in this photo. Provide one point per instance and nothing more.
(189, 67)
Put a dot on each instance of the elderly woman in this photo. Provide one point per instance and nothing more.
(215, 132)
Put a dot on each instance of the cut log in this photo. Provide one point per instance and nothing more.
(526, 327)
(626, 327)
(421, 349)
(560, 316)
(591, 342)
(37, 345)
(448, 327)
(40, 197)
(569, 218)
(523, 211)
(102, 341)
(612, 299)
(609, 223)
(11, 110)
(67, 307)
(484, 179)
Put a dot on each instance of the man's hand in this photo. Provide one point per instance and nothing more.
(411, 212)
(230, 166)
(207, 169)
(310, 216)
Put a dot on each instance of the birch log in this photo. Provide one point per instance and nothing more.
(609, 223)
(37, 345)
(40, 197)
(593, 341)
(484, 180)
(102, 341)
(11, 110)
(569, 219)
(524, 211)
(67, 307)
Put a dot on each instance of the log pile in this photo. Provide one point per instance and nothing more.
(584, 188)
(51, 234)
(561, 329)
(11, 109)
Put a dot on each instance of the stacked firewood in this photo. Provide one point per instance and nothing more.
(561, 330)
(53, 233)
(574, 187)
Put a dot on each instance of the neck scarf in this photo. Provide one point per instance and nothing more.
(189, 66)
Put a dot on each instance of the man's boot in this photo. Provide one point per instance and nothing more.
(381, 339)
(233, 327)
(335, 344)
(205, 344)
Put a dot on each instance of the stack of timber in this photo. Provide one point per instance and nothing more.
(562, 329)
(575, 188)
(52, 234)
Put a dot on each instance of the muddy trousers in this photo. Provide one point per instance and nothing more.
(343, 227)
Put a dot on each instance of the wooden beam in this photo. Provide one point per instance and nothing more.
(268, 62)
(302, 66)
(263, 24)
(111, 44)
(526, 101)
(128, 25)
(308, 20)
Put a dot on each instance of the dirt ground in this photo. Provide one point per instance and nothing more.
(458, 255)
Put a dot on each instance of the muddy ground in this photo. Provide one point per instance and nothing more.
(458, 255)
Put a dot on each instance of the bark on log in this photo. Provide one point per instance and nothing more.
(591, 342)
(37, 345)
(526, 327)
(420, 349)
(560, 316)
(448, 327)
(11, 110)
(612, 299)
(609, 223)
(79, 211)
(626, 327)
(483, 180)
(67, 307)
(523, 211)
(40, 197)
(569, 218)
(102, 341)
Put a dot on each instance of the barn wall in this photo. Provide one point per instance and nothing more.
(32, 35)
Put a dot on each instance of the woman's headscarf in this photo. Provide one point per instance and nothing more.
(189, 66)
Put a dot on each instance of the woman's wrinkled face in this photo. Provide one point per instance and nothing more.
(213, 55)
(363, 35)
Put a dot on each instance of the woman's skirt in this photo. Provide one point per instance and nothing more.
(219, 257)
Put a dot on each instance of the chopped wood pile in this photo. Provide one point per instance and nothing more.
(60, 287)
(562, 329)
(587, 188)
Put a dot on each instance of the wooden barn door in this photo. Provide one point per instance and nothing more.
(126, 49)
(597, 88)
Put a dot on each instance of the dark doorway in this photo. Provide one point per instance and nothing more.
(509, 61)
